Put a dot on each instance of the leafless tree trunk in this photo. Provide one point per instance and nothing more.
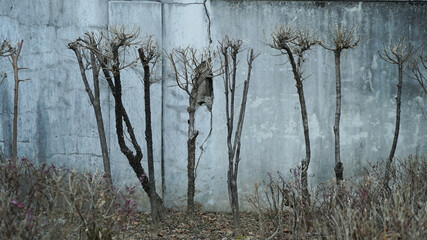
(191, 149)
(148, 56)
(230, 49)
(13, 53)
(396, 54)
(339, 169)
(108, 52)
(94, 98)
(2, 157)
(295, 43)
(190, 72)
(340, 39)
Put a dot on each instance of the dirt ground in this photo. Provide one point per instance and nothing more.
(205, 225)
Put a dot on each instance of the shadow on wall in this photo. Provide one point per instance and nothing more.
(5, 118)
(42, 126)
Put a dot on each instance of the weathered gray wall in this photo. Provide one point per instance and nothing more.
(57, 123)
(53, 107)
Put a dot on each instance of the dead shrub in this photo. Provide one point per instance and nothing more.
(359, 209)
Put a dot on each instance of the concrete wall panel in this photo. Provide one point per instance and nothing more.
(57, 124)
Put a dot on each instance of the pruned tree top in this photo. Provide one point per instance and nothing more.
(298, 39)
(107, 45)
(398, 52)
(228, 44)
(190, 67)
(294, 41)
(149, 50)
(120, 42)
(231, 48)
(150, 56)
(340, 38)
(5, 48)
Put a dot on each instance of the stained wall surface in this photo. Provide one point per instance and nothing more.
(57, 124)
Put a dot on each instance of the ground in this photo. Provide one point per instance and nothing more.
(205, 225)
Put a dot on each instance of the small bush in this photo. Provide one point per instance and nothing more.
(46, 202)
(358, 209)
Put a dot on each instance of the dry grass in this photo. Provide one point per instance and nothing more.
(359, 209)
(50, 203)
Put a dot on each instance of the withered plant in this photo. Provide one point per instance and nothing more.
(339, 38)
(192, 70)
(364, 210)
(396, 53)
(229, 50)
(87, 61)
(149, 56)
(111, 52)
(295, 43)
(13, 54)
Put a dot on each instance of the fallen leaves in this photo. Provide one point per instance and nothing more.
(203, 226)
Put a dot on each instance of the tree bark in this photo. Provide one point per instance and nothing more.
(2, 157)
(149, 136)
(15, 110)
(99, 121)
(232, 156)
(397, 126)
(234, 197)
(121, 116)
(96, 103)
(338, 164)
(299, 85)
(191, 158)
(231, 49)
(15, 58)
(305, 164)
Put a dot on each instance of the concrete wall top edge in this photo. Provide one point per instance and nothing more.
(201, 1)
(115, 3)
(411, 1)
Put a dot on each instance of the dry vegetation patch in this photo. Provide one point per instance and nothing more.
(49, 203)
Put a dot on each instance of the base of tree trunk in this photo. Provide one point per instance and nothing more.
(339, 172)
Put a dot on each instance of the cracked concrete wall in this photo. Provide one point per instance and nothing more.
(272, 137)
(53, 106)
(57, 123)
(184, 25)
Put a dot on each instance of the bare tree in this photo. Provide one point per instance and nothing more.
(340, 38)
(229, 50)
(294, 43)
(110, 53)
(149, 56)
(13, 53)
(191, 71)
(418, 68)
(87, 60)
(398, 54)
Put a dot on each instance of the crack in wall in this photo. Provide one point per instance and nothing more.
(209, 21)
